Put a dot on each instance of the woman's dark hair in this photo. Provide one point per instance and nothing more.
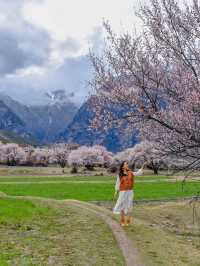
(121, 170)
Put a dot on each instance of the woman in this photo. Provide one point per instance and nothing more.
(125, 185)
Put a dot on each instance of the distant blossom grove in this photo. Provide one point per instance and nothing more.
(61, 154)
(89, 157)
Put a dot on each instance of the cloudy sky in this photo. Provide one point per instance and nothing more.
(44, 43)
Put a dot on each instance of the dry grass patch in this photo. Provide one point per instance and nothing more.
(166, 234)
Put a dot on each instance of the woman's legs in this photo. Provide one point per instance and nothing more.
(128, 218)
(122, 218)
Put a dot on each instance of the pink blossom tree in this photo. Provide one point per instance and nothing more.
(144, 151)
(125, 155)
(89, 157)
(11, 154)
(40, 156)
(107, 156)
(60, 153)
(152, 81)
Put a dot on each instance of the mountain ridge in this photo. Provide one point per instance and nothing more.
(61, 121)
(45, 121)
(79, 131)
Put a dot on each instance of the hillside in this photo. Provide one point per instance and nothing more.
(44, 122)
(9, 119)
(79, 131)
(12, 137)
(60, 120)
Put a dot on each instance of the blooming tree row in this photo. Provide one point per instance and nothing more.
(88, 156)
(61, 154)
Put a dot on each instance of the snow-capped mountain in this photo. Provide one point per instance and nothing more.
(60, 120)
(42, 122)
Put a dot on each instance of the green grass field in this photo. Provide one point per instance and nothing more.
(47, 182)
(99, 178)
(100, 191)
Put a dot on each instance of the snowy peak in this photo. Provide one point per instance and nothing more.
(59, 97)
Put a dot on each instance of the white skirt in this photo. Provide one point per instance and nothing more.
(124, 202)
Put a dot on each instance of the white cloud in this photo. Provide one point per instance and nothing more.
(78, 19)
(49, 43)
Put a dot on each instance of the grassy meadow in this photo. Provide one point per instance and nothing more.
(44, 231)
(36, 232)
(166, 234)
(101, 191)
(88, 186)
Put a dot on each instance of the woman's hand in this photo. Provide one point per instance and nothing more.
(143, 165)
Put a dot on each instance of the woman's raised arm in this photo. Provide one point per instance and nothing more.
(140, 171)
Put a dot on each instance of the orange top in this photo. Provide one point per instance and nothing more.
(127, 181)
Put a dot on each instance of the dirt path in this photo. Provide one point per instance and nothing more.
(128, 248)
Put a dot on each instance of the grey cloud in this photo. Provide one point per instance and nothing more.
(11, 5)
(97, 41)
(72, 77)
(20, 50)
(70, 45)
(22, 44)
